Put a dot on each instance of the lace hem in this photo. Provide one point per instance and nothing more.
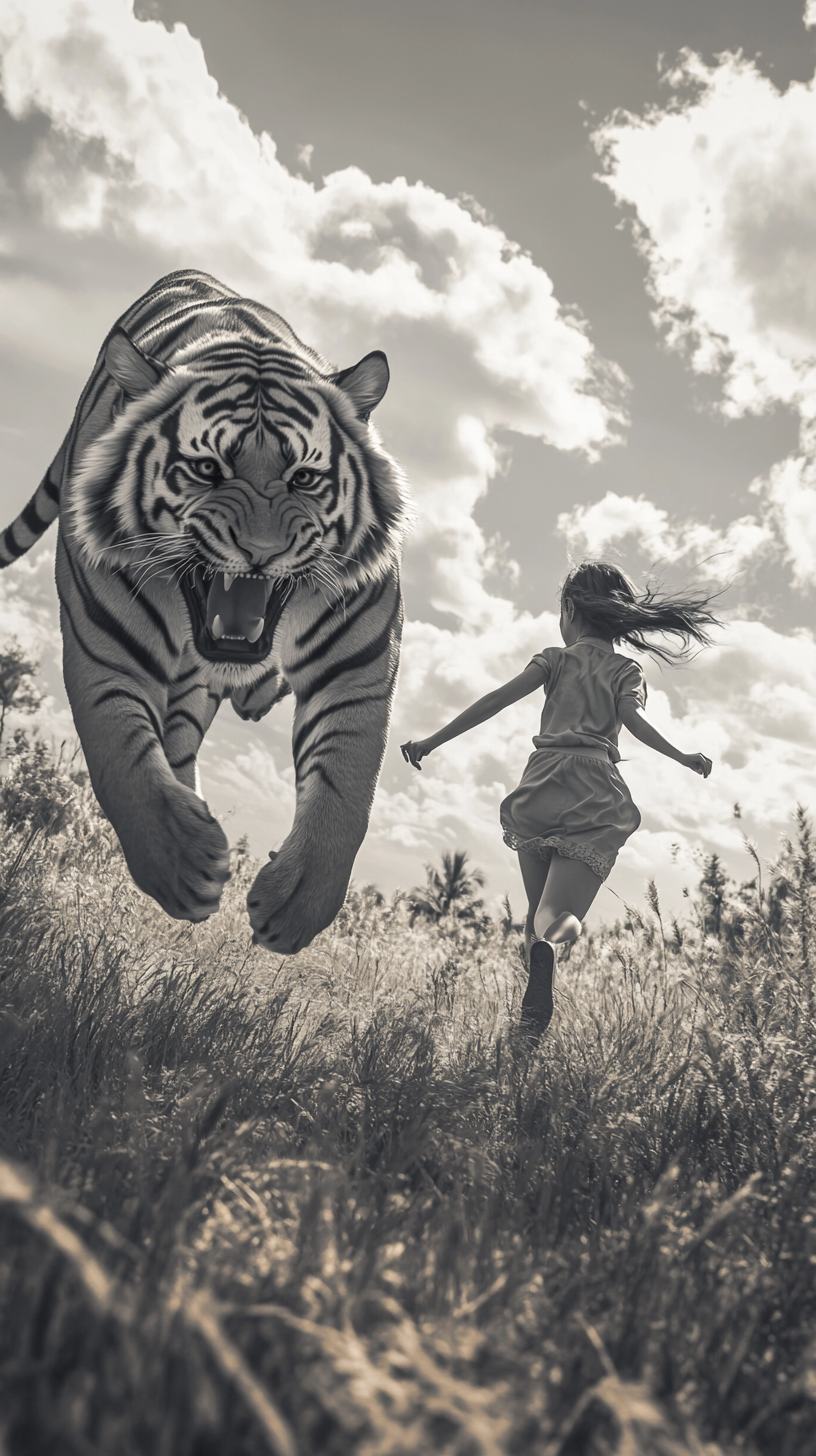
(543, 848)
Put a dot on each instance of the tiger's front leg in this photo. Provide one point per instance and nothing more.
(134, 701)
(342, 666)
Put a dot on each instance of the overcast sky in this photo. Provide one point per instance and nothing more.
(583, 232)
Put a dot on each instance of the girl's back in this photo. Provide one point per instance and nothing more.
(586, 685)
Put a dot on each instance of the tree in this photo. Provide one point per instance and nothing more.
(453, 892)
(713, 887)
(17, 689)
(38, 791)
(792, 892)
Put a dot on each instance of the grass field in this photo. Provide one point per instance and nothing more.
(332, 1204)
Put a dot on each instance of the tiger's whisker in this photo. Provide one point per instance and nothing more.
(152, 569)
(157, 538)
(341, 556)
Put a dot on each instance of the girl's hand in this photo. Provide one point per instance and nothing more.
(698, 763)
(413, 752)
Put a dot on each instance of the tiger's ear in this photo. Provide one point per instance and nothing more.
(134, 372)
(365, 383)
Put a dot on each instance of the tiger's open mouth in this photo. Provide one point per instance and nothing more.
(234, 617)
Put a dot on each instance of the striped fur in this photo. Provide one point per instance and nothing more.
(42, 509)
(211, 444)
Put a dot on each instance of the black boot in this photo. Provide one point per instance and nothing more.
(537, 1005)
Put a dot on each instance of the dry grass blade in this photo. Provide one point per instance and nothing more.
(466, 1405)
(724, 1211)
(343, 1347)
(470, 1307)
(17, 1191)
(433, 1392)
(367, 1384)
(641, 1428)
(200, 1314)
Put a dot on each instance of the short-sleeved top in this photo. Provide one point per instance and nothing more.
(586, 685)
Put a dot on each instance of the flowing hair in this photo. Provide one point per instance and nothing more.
(611, 603)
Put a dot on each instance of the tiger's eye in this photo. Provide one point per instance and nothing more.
(207, 469)
(304, 477)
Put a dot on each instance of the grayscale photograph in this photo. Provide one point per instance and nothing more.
(407, 750)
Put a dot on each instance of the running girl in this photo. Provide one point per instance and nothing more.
(572, 811)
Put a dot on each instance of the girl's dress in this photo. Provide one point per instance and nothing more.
(572, 799)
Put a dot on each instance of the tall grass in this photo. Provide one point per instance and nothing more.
(334, 1204)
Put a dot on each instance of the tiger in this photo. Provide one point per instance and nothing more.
(230, 526)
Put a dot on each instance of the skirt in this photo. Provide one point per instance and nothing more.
(570, 803)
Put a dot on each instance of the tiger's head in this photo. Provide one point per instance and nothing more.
(240, 468)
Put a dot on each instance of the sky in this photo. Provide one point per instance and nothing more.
(584, 234)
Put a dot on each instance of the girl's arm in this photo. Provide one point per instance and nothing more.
(631, 719)
(487, 707)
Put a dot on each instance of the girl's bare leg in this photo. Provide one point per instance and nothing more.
(569, 889)
(559, 896)
(534, 875)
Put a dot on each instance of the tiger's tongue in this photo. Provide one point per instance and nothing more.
(237, 611)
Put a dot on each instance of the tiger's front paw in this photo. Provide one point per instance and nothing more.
(290, 903)
(176, 852)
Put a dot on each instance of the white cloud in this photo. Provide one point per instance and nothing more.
(249, 781)
(791, 491)
(27, 603)
(722, 183)
(144, 145)
(590, 530)
(722, 180)
(305, 154)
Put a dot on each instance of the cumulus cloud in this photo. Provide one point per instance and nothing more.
(250, 780)
(590, 530)
(749, 703)
(27, 603)
(722, 183)
(791, 492)
(143, 144)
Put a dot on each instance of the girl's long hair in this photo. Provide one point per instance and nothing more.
(611, 603)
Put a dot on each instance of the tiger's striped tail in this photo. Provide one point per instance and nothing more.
(35, 518)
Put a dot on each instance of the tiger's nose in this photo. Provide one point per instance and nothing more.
(258, 553)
